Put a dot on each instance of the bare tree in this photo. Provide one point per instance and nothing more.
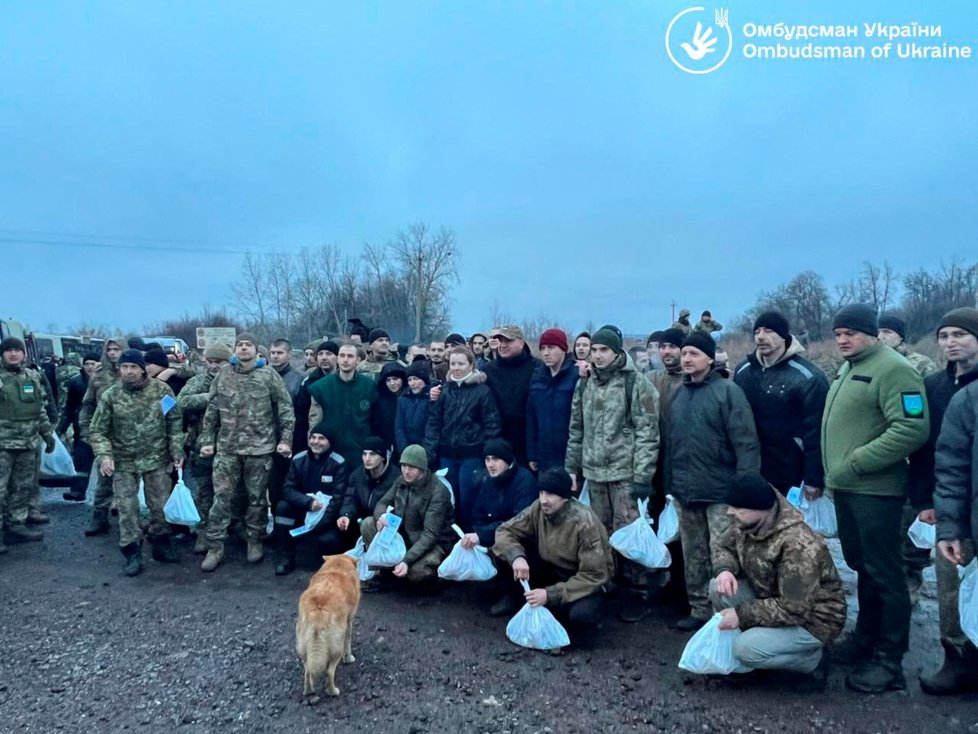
(429, 260)
(877, 285)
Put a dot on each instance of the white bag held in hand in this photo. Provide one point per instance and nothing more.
(536, 628)
(58, 463)
(922, 534)
(638, 542)
(820, 516)
(441, 474)
(180, 508)
(387, 548)
(585, 498)
(668, 528)
(472, 564)
(141, 495)
(312, 517)
(710, 651)
(968, 601)
(363, 570)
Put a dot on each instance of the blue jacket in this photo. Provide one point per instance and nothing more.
(412, 417)
(548, 412)
(500, 499)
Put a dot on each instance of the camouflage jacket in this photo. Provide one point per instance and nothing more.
(791, 572)
(22, 413)
(920, 362)
(426, 513)
(64, 374)
(193, 403)
(573, 540)
(101, 381)
(249, 411)
(130, 428)
(614, 436)
(708, 326)
(371, 366)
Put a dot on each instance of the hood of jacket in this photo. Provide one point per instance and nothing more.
(621, 363)
(793, 347)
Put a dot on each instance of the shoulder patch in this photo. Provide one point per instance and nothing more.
(337, 458)
(743, 367)
(913, 404)
(801, 368)
(299, 455)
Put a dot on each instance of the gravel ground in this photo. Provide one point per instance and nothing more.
(82, 647)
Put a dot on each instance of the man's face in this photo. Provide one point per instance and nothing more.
(318, 444)
(746, 518)
(372, 460)
(582, 347)
(416, 384)
(478, 345)
(641, 359)
(852, 343)
(13, 357)
(394, 384)
(246, 351)
(437, 352)
(214, 365)
(310, 358)
(890, 338)
(411, 474)
(669, 354)
(552, 356)
(347, 359)
(493, 343)
(509, 347)
(113, 352)
(495, 466)
(279, 356)
(695, 362)
(380, 347)
(602, 355)
(551, 503)
(91, 366)
(768, 341)
(958, 345)
(326, 361)
(131, 373)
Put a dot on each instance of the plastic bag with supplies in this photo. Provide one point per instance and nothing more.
(638, 542)
(363, 570)
(922, 534)
(180, 508)
(536, 628)
(710, 651)
(968, 601)
(387, 548)
(58, 463)
(466, 564)
(668, 528)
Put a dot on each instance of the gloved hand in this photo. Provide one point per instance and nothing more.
(49, 444)
(640, 491)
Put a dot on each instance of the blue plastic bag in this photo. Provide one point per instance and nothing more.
(710, 651)
(668, 527)
(58, 463)
(466, 564)
(180, 508)
(536, 628)
(638, 542)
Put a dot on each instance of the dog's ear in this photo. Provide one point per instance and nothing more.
(326, 558)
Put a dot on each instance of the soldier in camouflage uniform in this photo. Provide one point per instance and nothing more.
(193, 403)
(249, 416)
(35, 516)
(776, 581)
(682, 323)
(137, 435)
(97, 385)
(614, 441)
(65, 372)
(379, 354)
(22, 420)
(893, 333)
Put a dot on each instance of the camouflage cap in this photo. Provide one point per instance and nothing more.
(507, 331)
(218, 350)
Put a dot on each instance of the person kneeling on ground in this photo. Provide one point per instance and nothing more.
(776, 581)
(424, 505)
(317, 470)
(561, 547)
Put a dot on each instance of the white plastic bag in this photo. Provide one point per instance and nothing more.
(441, 474)
(638, 542)
(180, 508)
(968, 601)
(536, 628)
(141, 494)
(668, 527)
(710, 651)
(922, 534)
(312, 517)
(820, 516)
(363, 570)
(387, 548)
(585, 498)
(58, 463)
(472, 564)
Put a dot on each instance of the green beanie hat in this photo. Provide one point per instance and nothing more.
(415, 455)
(607, 337)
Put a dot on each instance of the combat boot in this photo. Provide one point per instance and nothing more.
(134, 559)
(853, 649)
(21, 534)
(284, 562)
(36, 517)
(164, 551)
(213, 559)
(879, 675)
(256, 551)
(99, 524)
(200, 545)
(634, 608)
(954, 676)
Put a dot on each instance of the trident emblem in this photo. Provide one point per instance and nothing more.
(722, 17)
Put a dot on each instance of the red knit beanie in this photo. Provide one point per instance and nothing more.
(554, 338)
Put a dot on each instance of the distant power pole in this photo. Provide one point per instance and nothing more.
(673, 305)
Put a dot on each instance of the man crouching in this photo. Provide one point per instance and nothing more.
(788, 598)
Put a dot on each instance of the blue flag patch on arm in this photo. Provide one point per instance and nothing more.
(167, 403)
(913, 404)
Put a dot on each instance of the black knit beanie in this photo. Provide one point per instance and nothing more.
(858, 317)
(964, 318)
(893, 323)
(555, 481)
(750, 492)
(607, 336)
(322, 428)
(702, 341)
(420, 368)
(774, 321)
(672, 336)
(376, 334)
(375, 444)
(500, 448)
(12, 342)
(328, 346)
(133, 356)
(157, 357)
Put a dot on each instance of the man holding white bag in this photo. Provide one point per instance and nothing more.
(776, 581)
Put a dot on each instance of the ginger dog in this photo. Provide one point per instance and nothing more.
(324, 631)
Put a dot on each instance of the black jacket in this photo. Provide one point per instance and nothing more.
(384, 411)
(548, 412)
(307, 475)
(956, 496)
(363, 492)
(500, 499)
(711, 439)
(462, 419)
(76, 388)
(787, 400)
(509, 380)
(412, 419)
(292, 378)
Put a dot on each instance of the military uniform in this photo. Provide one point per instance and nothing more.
(101, 381)
(192, 401)
(920, 362)
(64, 374)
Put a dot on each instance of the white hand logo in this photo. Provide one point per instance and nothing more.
(702, 43)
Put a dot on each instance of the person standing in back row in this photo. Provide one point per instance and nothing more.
(509, 377)
(549, 403)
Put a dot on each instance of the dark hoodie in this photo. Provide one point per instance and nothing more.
(384, 412)
(509, 379)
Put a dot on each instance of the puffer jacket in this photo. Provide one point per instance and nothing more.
(791, 572)
(426, 513)
(956, 462)
(787, 400)
(711, 439)
(548, 413)
(463, 418)
(412, 419)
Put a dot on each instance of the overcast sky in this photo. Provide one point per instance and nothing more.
(585, 175)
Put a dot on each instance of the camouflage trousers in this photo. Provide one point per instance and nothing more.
(157, 486)
(202, 471)
(102, 497)
(948, 585)
(18, 484)
(615, 508)
(229, 471)
(699, 529)
(424, 569)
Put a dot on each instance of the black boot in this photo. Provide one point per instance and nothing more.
(99, 524)
(284, 561)
(134, 559)
(20, 533)
(164, 551)
(634, 607)
(954, 676)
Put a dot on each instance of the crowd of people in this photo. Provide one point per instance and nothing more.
(482, 435)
